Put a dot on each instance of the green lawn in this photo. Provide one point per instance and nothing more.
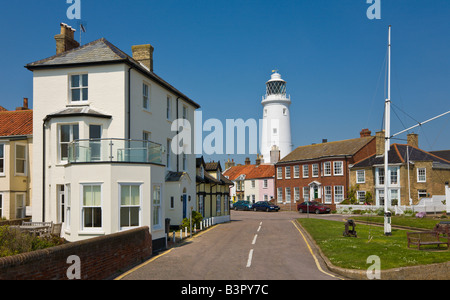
(352, 253)
(426, 223)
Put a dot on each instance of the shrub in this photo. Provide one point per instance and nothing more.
(196, 219)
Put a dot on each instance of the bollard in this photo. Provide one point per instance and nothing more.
(174, 236)
(181, 234)
(185, 231)
(201, 227)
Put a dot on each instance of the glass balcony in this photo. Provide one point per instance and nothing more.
(115, 150)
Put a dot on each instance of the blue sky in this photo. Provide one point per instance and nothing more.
(220, 53)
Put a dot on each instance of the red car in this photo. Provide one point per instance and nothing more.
(313, 206)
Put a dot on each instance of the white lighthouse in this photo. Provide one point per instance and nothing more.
(276, 128)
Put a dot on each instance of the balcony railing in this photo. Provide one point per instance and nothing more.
(115, 150)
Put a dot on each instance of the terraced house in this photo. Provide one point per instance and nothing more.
(427, 173)
(103, 124)
(320, 172)
(16, 144)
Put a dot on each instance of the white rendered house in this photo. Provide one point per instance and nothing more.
(276, 129)
(102, 126)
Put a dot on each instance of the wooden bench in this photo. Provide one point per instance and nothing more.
(443, 228)
(427, 238)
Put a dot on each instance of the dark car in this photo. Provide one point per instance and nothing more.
(265, 206)
(242, 205)
(313, 206)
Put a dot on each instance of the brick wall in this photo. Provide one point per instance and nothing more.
(100, 258)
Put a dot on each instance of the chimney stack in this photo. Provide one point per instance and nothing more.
(25, 105)
(274, 155)
(380, 139)
(258, 159)
(144, 55)
(365, 133)
(65, 41)
(247, 161)
(229, 164)
(413, 140)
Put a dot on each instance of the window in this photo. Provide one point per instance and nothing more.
(91, 208)
(145, 96)
(265, 183)
(168, 154)
(296, 171)
(288, 195)
(253, 183)
(201, 205)
(284, 112)
(218, 206)
(380, 176)
(2, 160)
(421, 175)
(327, 168)
(360, 176)
(266, 197)
(280, 173)
(21, 158)
(79, 87)
(422, 194)
(95, 134)
(253, 198)
(315, 170)
(61, 203)
(361, 196)
(296, 193)
(130, 205)
(280, 194)
(184, 161)
(338, 168)
(306, 193)
(156, 206)
(185, 112)
(169, 108)
(288, 173)
(338, 193)
(20, 205)
(67, 134)
(305, 171)
(394, 175)
(328, 193)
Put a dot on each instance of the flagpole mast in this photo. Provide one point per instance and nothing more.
(387, 145)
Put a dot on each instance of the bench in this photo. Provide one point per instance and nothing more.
(427, 238)
(443, 228)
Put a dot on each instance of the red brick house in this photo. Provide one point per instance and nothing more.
(320, 171)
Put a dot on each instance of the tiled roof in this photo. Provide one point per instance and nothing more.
(398, 154)
(339, 148)
(445, 154)
(251, 171)
(98, 52)
(16, 123)
(213, 166)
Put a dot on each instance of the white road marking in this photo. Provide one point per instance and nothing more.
(254, 239)
(250, 256)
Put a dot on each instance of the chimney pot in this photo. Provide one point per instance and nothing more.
(365, 132)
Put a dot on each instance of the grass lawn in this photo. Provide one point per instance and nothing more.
(352, 253)
(426, 223)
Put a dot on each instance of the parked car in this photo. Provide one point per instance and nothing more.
(265, 206)
(313, 206)
(242, 205)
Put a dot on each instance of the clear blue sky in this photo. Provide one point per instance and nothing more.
(221, 52)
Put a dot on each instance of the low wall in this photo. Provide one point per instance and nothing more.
(99, 258)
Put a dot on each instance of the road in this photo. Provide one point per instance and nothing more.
(253, 246)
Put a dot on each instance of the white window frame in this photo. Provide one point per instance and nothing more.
(288, 194)
(422, 177)
(287, 171)
(360, 178)
(20, 206)
(71, 139)
(169, 108)
(327, 168)
(338, 196)
(361, 196)
(265, 183)
(392, 171)
(23, 160)
(279, 195)
(219, 204)
(306, 192)
(328, 193)
(279, 173)
(81, 87)
(305, 171)
(315, 170)
(121, 185)
(296, 193)
(156, 207)
(422, 192)
(336, 168)
(83, 207)
(297, 171)
(68, 205)
(146, 99)
(2, 160)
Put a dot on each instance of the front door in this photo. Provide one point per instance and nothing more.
(184, 206)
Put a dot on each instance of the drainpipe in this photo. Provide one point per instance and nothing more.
(178, 141)
(129, 103)
(43, 170)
